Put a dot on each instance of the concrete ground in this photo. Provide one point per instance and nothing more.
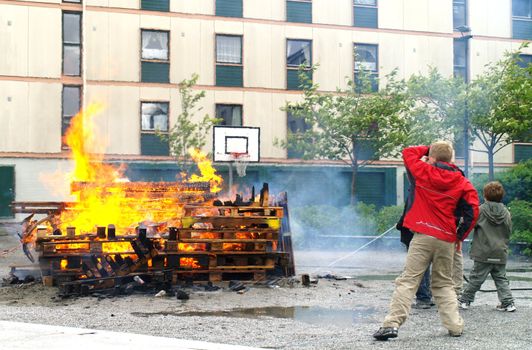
(332, 314)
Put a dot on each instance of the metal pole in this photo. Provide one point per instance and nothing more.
(466, 112)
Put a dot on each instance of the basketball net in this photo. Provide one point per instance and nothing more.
(241, 161)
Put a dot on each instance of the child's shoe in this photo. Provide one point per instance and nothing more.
(508, 308)
(464, 305)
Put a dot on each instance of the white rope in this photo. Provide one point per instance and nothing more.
(359, 249)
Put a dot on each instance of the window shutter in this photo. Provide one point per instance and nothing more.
(229, 76)
(300, 12)
(366, 17)
(152, 145)
(229, 8)
(155, 5)
(155, 72)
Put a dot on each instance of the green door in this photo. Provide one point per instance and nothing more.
(7, 190)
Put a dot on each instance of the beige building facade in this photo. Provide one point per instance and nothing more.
(57, 55)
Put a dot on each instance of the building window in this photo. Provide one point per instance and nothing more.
(229, 69)
(524, 60)
(154, 122)
(522, 19)
(460, 58)
(522, 152)
(231, 115)
(298, 53)
(71, 104)
(229, 8)
(459, 13)
(299, 11)
(366, 57)
(295, 125)
(155, 5)
(72, 43)
(74, 1)
(155, 63)
(365, 13)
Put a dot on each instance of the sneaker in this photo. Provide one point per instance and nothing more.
(464, 305)
(508, 308)
(422, 305)
(455, 334)
(386, 332)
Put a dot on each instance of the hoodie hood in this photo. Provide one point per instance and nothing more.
(496, 213)
(445, 176)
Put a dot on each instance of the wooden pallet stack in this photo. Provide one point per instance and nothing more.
(213, 243)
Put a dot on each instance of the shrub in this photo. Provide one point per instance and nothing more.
(311, 225)
(388, 217)
(517, 182)
(522, 223)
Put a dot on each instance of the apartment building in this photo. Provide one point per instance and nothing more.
(130, 55)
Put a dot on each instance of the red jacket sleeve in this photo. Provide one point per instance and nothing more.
(412, 159)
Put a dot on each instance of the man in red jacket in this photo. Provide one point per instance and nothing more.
(439, 189)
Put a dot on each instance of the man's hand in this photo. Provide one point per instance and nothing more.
(458, 245)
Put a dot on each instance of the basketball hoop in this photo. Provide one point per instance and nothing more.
(241, 161)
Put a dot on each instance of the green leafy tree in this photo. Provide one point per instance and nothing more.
(439, 105)
(500, 106)
(522, 223)
(188, 131)
(355, 125)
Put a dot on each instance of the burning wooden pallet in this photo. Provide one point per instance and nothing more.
(206, 243)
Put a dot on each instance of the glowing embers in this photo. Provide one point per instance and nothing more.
(205, 235)
(63, 264)
(235, 246)
(192, 247)
(117, 247)
(59, 247)
(189, 263)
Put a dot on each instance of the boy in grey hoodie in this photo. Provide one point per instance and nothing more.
(489, 249)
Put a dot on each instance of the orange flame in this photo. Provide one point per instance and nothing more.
(103, 196)
(64, 264)
(189, 263)
(208, 173)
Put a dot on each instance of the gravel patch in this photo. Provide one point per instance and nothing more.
(332, 314)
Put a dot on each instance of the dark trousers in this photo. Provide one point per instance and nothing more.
(423, 292)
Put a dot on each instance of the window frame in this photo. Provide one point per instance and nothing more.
(63, 116)
(142, 131)
(529, 17)
(465, 5)
(465, 67)
(372, 73)
(218, 63)
(309, 65)
(216, 105)
(157, 60)
(69, 44)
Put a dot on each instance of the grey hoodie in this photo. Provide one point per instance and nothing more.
(491, 234)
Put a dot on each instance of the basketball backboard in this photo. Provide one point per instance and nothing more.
(230, 140)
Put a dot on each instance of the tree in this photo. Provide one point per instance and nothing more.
(439, 105)
(350, 123)
(188, 133)
(500, 106)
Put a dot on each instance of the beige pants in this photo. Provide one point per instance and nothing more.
(458, 272)
(424, 250)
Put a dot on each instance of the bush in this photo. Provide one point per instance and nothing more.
(311, 225)
(522, 223)
(517, 182)
(388, 217)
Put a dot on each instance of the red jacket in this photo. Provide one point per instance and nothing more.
(437, 192)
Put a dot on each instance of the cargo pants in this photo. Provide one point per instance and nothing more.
(478, 276)
(423, 250)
